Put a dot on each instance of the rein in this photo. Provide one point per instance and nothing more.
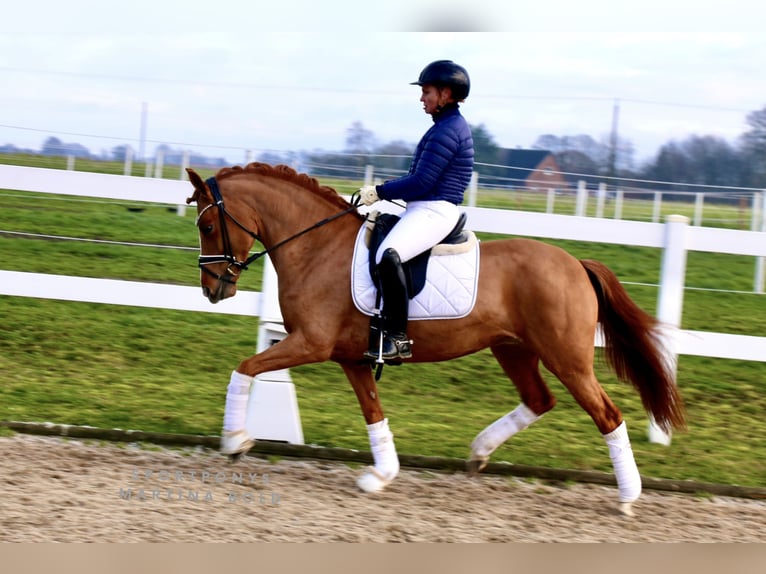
(228, 255)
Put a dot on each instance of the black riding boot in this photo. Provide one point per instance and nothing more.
(393, 286)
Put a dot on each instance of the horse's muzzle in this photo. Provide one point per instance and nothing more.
(223, 290)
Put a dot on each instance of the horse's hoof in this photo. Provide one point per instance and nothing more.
(476, 465)
(372, 481)
(235, 444)
(626, 509)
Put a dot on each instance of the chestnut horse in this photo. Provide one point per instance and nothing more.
(535, 304)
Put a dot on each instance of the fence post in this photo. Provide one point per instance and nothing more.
(368, 172)
(549, 204)
(183, 176)
(618, 204)
(600, 199)
(582, 199)
(759, 224)
(671, 299)
(158, 163)
(699, 202)
(128, 169)
(272, 410)
(473, 189)
(657, 207)
(184, 164)
(70, 162)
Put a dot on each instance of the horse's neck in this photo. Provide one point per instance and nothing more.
(288, 210)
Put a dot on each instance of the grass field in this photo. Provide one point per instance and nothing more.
(166, 371)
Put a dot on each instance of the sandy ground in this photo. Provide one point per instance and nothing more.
(58, 490)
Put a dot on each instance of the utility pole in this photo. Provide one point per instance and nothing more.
(612, 167)
(142, 134)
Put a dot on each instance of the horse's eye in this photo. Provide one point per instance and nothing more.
(207, 229)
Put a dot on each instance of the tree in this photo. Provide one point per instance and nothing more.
(712, 161)
(753, 149)
(398, 155)
(597, 152)
(484, 147)
(120, 152)
(359, 139)
(702, 160)
(272, 158)
(671, 164)
(573, 161)
(53, 146)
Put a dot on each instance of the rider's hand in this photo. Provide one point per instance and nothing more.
(368, 194)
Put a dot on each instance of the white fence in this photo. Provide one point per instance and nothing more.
(674, 237)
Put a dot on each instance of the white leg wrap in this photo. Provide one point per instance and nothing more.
(625, 469)
(384, 454)
(237, 395)
(501, 430)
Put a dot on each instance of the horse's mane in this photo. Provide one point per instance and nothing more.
(285, 173)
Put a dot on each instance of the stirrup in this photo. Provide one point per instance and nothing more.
(403, 348)
(390, 349)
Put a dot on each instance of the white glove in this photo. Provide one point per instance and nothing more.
(368, 194)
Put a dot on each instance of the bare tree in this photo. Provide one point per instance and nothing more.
(754, 149)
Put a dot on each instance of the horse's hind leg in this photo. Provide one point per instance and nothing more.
(575, 371)
(522, 366)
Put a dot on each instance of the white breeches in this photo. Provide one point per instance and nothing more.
(422, 225)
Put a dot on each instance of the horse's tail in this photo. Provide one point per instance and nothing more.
(634, 349)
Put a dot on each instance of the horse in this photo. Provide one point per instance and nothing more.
(536, 304)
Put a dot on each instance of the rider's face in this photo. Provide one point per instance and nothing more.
(433, 98)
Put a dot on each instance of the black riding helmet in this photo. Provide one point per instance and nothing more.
(446, 73)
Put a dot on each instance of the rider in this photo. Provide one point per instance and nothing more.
(440, 171)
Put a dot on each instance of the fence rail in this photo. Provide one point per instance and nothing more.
(675, 238)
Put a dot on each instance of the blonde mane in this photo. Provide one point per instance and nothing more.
(286, 173)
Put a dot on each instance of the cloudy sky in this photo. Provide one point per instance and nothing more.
(227, 76)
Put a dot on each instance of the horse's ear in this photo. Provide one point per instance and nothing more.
(199, 185)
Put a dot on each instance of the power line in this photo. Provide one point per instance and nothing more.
(341, 90)
(197, 82)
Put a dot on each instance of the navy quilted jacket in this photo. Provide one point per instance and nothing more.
(442, 165)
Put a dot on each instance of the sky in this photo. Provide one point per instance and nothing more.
(230, 76)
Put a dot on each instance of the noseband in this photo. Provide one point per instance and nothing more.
(228, 254)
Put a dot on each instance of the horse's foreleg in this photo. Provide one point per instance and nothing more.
(235, 439)
(289, 352)
(386, 461)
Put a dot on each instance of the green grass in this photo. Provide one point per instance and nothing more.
(167, 371)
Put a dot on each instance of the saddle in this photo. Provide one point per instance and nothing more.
(415, 269)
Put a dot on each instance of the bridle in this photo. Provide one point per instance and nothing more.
(228, 255)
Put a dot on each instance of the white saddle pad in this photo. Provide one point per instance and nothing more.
(449, 291)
